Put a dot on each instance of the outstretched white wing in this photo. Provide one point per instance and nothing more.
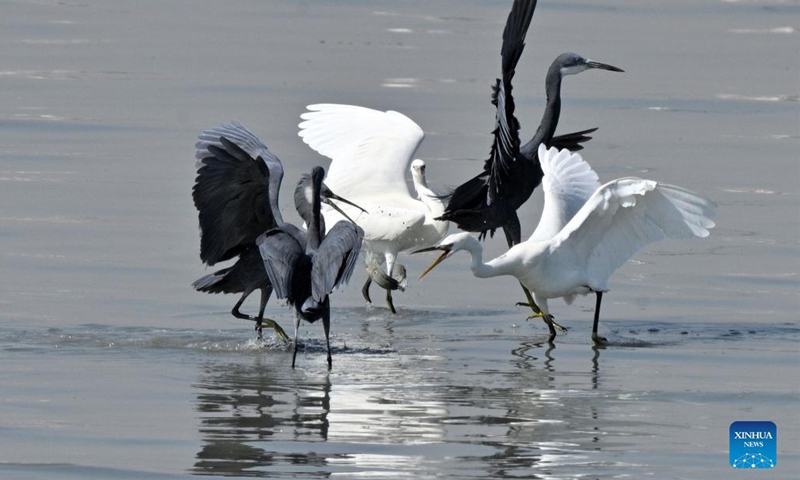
(568, 183)
(371, 150)
(625, 215)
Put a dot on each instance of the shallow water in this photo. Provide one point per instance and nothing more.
(112, 366)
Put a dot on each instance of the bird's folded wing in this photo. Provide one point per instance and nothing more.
(231, 191)
(627, 214)
(371, 150)
(335, 259)
(281, 253)
(568, 183)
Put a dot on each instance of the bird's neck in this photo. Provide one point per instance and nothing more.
(273, 194)
(316, 230)
(552, 112)
(480, 269)
(429, 198)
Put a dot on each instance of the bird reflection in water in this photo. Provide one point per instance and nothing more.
(524, 360)
(243, 407)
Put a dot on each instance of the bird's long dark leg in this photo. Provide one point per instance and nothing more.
(365, 289)
(296, 328)
(598, 340)
(389, 301)
(326, 325)
(390, 259)
(513, 234)
(259, 321)
(265, 294)
(236, 313)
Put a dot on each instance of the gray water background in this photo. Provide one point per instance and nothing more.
(111, 366)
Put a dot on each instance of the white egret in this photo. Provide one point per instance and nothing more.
(583, 238)
(511, 173)
(371, 151)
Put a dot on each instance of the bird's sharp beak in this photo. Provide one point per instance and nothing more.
(344, 200)
(603, 66)
(329, 196)
(446, 250)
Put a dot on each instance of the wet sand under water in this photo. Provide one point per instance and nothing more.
(113, 367)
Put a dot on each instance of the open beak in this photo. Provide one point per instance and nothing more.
(603, 66)
(328, 195)
(445, 253)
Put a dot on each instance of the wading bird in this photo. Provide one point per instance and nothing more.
(371, 151)
(376, 272)
(236, 195)
(306, 270)
(490, 200)
(576, 253)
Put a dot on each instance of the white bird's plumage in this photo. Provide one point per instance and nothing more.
(371, 152)
(625, 215)
(611, 225)
(568, 183)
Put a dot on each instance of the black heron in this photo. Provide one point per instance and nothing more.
(236, 195)
(305, 270)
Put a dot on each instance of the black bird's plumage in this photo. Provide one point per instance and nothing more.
(235, 193)
(305, 273)
(490, 199)
(231, 194)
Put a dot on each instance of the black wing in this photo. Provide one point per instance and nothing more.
(231, 191)
(469, 195)
(335, 259)
(245, 275)
(470, 198)
(287, 265)
(571, 141)
(504, 155)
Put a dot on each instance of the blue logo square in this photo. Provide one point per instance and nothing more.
(753, 445)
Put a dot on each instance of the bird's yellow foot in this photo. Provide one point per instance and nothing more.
(549, 319)
(278, 330)
(535, 315)
(552, 321)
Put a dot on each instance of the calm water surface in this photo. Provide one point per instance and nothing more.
(113, 367)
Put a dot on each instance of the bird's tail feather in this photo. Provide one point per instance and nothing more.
(571, 141)
(212, 283)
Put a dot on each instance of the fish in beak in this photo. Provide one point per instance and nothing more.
(446, 252)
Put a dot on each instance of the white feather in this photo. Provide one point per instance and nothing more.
(615, 221)
(371, 150)
(568, 183)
